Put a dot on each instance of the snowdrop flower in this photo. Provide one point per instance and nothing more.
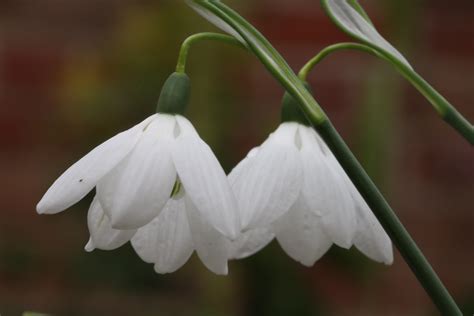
(159, 183)
(293, 188)
(169, 239)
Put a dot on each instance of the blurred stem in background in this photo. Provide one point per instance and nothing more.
(198, 37)
(381, 101)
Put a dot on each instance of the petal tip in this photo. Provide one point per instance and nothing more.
(40, 209)
(307, 263)
(345, 244)
(233, 234)
(160, 270)
(388, 260)
(89, 247)
(46, 207)
(223, 272)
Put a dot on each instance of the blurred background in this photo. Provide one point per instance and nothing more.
(74, 73)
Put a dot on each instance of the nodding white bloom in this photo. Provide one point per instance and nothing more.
(293, 188)
(157, 175)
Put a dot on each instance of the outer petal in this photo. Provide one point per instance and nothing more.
(254, 240)
(215, 20)
(350, 20)
(269, 183)
(371, 239)
(239, 169)
(166, 240)
(325, 191)
(250, 242)
(205, 182)
(211, 246)
(83, 176)
(103, 236)
(301, 235)
(137, 189)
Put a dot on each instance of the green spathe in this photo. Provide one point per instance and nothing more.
(175, 94)
(291, 109)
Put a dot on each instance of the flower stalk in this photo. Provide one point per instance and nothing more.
(204, 36)
(447, 112)
(278, 67)
(351, 18)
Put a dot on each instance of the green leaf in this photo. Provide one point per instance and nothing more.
(351, 18)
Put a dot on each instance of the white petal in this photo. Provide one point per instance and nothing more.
(371, 239)
(217, 21)
(166, 240)
(89, 246)
(237, 171)
(325, 191)
(184, 127)
(206, 184)
(83, 176)
(134, 192)
(211, 246)
(250, 242)
(103, 236)
(354, 23)
(269, 183)
(301, 235)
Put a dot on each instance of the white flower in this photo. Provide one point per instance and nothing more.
(134, 174)
(293, 188)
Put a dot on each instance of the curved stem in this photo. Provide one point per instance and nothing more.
(445, 109)
(277, 66)
(188, 42)
(447, 112)
(308, 67)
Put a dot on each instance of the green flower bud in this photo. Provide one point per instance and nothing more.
(291, 110)
(174, 97)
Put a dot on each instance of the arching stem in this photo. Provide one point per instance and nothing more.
(186, 46)
(447, 111)
(280, 70)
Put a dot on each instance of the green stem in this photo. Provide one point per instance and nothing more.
(277, 66)
(308, 67)
(188, 42)
(390, 222)
(447, 112)
(445, 109)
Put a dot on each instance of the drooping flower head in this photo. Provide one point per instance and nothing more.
(155, 176)
(293, 188)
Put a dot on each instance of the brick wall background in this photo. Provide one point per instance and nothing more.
(74, 73)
